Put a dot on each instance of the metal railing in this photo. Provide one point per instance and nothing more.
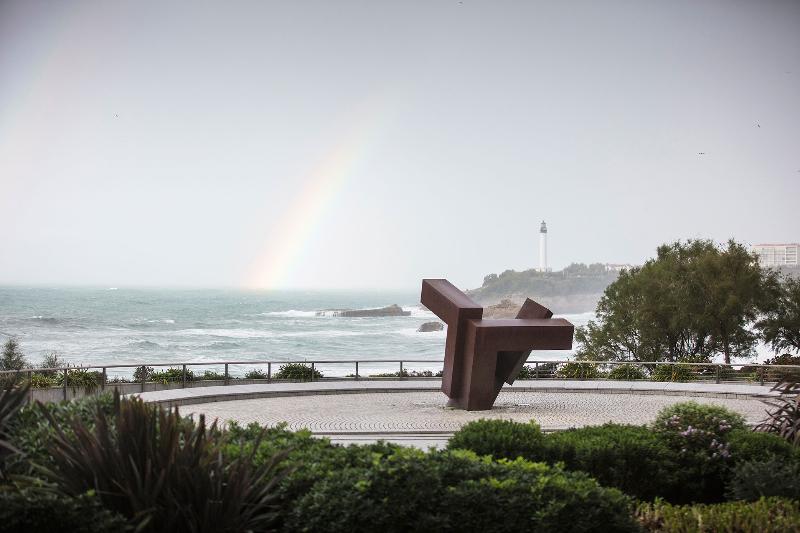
(181, 372)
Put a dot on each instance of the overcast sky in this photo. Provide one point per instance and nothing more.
(200, 144)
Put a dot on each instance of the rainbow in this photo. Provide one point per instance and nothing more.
(291, 233)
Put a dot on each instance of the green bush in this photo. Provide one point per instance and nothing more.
(578, 371)
(88, 380)
(31, 432)
(711, 419)
(500, 439)
(746, 445)
(170, 375)
(699, 435)
(256, 374)
(297, 372)
(40, 380)
(409, 374)
(142, 373)
(41, 511)
(677, 373)
(633, 459)
(307, 461)
(410, 490)
(752, 480)
(212, 375)
(627, 372)
(764, 516)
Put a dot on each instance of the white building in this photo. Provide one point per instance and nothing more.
(775, 255)
(543, 248)
(618, 267)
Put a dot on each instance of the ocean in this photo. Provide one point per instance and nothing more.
(107, 326)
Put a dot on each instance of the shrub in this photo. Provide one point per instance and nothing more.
(170, 375)
(212, 375)
(51, 360)
(42, 511)
(11, 401)
(500, 439)
(746, 445)
(297, 372)
(698, 433)
(142, 373)
(631, 458)
(31, 432)
(713, 419)
(782, 374)
(672, 373)
(410, 490)
(540, 370)
(163, 472)
(256, 374)
(752, 480)
(80, 378)
(627, 372)
(408, 374)
(764, 516)
(307, 459)
(578, 371)
(784, 417)
(40, 380)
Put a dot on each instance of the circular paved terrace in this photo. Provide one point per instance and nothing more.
(422, 418)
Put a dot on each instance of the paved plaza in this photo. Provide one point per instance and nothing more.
(421, 418)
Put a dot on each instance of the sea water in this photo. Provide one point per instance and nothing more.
(107, 326)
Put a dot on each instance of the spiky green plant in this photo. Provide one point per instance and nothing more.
(11, 401)
(164, 472)
(784, 418)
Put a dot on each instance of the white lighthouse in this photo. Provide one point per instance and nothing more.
(543, 247)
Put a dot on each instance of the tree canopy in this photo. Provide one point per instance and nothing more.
(693, 301)
(781, 325)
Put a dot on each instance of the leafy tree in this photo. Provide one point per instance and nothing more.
(780, 328)
(693, 301)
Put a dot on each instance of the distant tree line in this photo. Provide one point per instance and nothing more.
(694, 301)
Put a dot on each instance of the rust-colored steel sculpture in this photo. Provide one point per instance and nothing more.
(480, 355)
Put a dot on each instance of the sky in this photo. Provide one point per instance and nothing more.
(370, 144)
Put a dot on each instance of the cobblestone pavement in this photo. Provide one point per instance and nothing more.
(426, 412)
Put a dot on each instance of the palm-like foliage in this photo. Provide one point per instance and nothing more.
(784, 418)
(11, 400)
(164, 472)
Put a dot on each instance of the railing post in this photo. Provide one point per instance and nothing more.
(226, 374)
(184, 376)
(536, 369)
(269, 372)
(65, 383)
(761, 371)
(104, 378)
(144, 376)
(719, 372)
(312, 371)
(400, 375)
(356, 369)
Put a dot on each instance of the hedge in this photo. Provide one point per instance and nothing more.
(411, 490)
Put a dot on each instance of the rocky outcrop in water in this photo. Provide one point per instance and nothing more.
(389, 310)
(430, 326)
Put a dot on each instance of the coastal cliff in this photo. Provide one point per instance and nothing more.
(576, 289)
